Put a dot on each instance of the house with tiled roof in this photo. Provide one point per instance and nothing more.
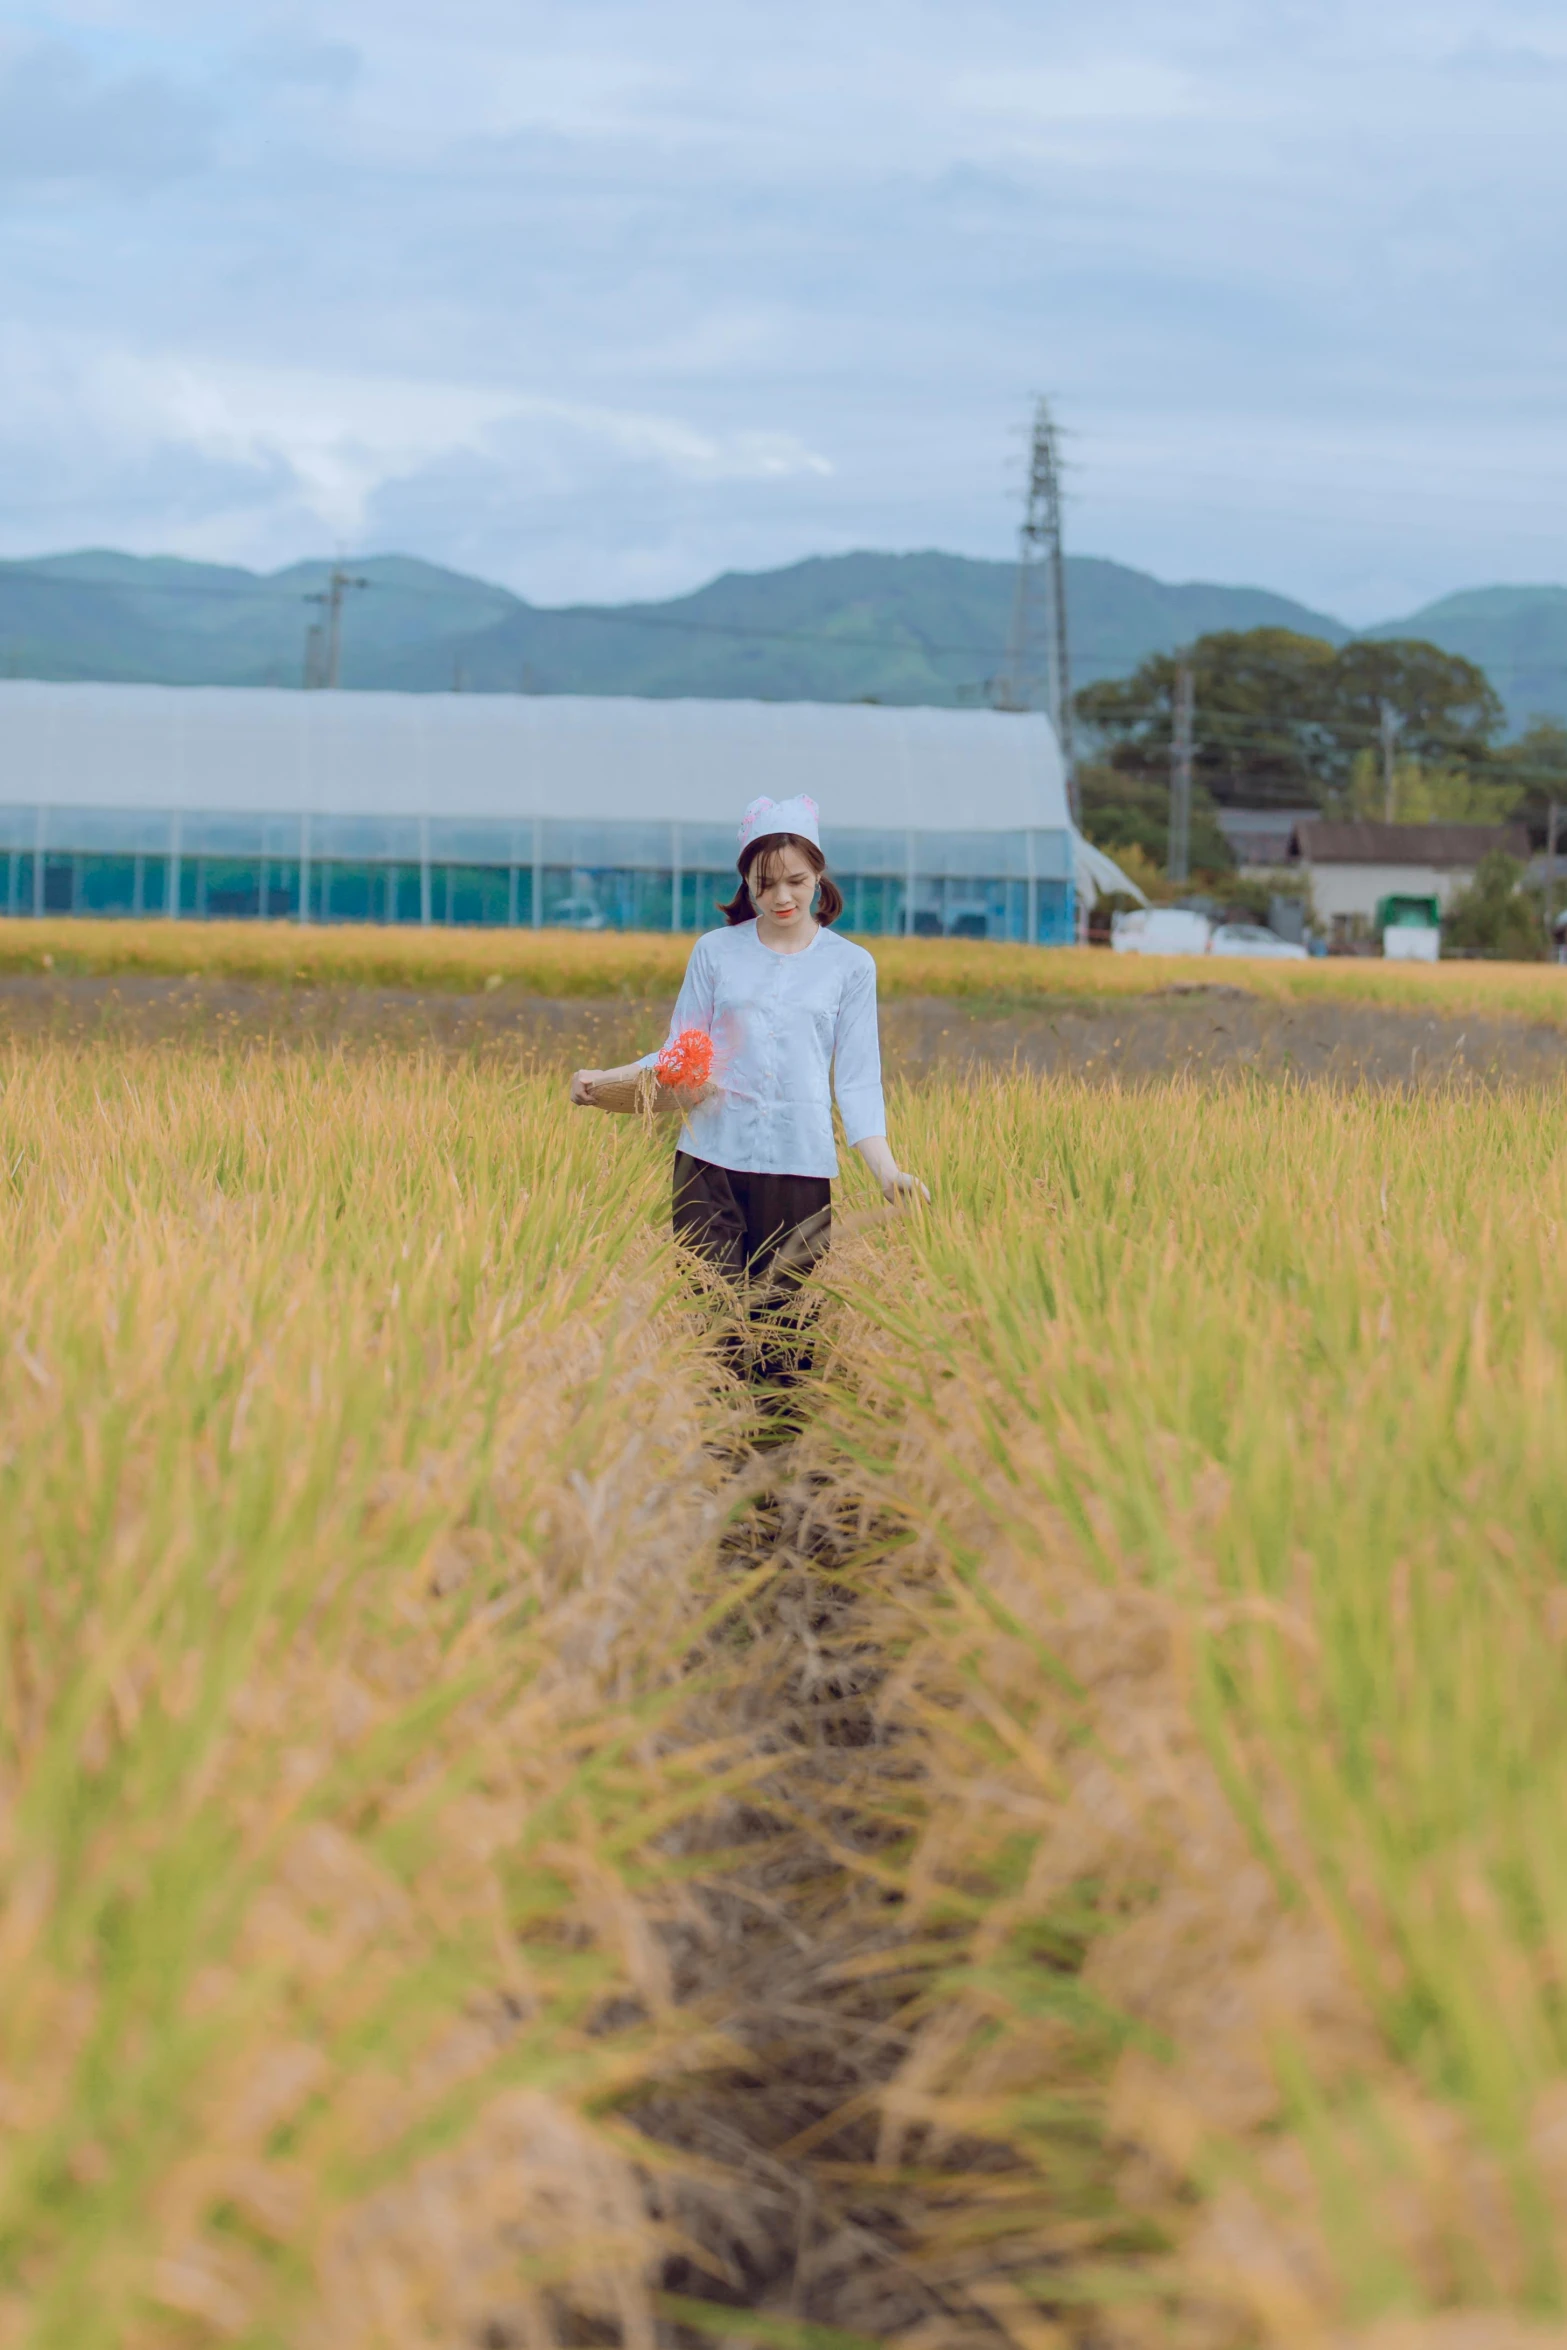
(1354, 868)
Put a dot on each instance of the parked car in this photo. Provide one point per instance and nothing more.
(1250, 938)
(1161, 930)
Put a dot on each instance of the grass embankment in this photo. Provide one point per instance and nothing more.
(356, 1494)
(1224, 1434)
(641, 964)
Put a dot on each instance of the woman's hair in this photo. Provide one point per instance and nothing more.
(829, 897)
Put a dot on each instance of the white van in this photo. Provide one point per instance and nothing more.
(1161, 930)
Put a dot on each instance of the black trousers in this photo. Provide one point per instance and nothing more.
(740, 1222)
(762, 1233)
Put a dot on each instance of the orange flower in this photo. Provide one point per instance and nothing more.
(687, 1062)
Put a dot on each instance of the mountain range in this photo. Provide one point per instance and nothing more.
(925, 627)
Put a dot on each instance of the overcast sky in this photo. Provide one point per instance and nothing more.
(599, 299)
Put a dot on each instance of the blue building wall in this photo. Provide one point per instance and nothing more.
(549, 873)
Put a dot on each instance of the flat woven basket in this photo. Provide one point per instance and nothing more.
(640, 1095)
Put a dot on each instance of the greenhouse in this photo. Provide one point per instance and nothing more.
(608, 813)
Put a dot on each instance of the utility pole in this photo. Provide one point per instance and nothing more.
(1181, 774)
(323, 665)
(1389, 723)
(1551, 836)
(1039, 668)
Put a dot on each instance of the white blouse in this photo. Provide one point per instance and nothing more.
(780, 1025)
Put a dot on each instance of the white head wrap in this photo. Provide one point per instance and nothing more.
(797, 816)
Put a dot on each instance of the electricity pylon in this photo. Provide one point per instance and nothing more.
(1039, 667)
(324, 643)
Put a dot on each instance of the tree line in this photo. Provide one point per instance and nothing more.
(1290, 721)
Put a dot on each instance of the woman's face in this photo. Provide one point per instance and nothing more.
(782, 886)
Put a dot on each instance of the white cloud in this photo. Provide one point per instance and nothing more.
(609, 296)
(333, 443)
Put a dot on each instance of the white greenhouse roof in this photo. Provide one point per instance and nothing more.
(604, 759)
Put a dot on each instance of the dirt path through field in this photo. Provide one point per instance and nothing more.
(1203, 1027)
(798, 1958)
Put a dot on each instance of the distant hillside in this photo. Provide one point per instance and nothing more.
(1518, 635)
(894, 628)
(160, 620)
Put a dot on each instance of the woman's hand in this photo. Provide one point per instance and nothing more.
(582, 1084)
(876, 1151)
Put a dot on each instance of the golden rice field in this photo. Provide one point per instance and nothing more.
(1066, 1854)
(356, 1503)
(560, 963)
(1216, 1439)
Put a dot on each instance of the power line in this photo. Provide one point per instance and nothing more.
(1503, 770)
(1283, 733)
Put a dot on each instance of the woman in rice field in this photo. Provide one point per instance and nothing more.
(789, 1006)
